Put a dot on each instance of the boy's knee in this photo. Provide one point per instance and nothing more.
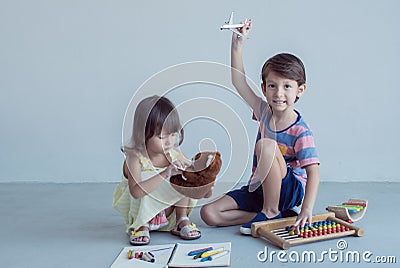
(209, 215)
(266, 145)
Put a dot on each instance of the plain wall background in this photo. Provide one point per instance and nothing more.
(68, 70)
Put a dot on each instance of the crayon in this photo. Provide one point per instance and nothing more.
(130, 254)
(216, 256)
(211, 252)
(198, 255)
(148, 256)
(197, 251)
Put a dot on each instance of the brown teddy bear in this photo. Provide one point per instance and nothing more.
(199, 178)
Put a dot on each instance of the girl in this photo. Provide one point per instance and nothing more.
(144, 196)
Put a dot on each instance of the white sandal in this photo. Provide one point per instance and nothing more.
(136, 234)
(185, 230)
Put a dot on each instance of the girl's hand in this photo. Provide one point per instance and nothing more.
(181, 162)
(238, 40)
(172, 170)
(209, 193)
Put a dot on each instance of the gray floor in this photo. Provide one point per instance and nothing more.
(74, 225)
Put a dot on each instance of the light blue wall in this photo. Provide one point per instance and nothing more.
(68, 70)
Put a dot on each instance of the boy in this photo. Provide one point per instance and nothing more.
(285, 159)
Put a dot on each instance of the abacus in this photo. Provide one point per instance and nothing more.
(325, 226)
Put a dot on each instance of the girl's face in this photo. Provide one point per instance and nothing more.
(281, 92)
(161, 143)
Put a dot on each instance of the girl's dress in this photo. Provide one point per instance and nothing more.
(150, 208)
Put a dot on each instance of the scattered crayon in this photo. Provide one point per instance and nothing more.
(197, 256)
(148, 256)
(130, 254)
(215, 256)
(197, 251)
(211, 252)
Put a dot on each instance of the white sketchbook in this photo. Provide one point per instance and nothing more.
(174, 255)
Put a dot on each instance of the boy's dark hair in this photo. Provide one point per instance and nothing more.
(287, 66)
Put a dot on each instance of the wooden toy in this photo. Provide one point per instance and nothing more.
(350, 211)
(279, 232)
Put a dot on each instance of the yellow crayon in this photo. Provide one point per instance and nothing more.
(130, 254)
(211, 252)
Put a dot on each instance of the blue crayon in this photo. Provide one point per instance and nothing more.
(206, 259)
(199, 251)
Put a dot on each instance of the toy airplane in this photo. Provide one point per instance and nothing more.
(229, 25)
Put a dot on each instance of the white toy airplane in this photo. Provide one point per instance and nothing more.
(233, 27)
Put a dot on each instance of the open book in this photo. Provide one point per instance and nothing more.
(174, 255)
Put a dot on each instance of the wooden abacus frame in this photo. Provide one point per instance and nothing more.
(265, 228)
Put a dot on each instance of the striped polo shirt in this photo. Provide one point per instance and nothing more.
(296, 142)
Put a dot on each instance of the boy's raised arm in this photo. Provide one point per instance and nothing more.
(237, 70)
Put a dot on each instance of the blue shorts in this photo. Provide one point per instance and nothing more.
(292, 193)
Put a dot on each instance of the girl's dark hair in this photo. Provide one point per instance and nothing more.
(154, 115)
(285, 65)
(163, 117)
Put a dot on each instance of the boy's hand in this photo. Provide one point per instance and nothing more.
(237, 40)
(304, 217)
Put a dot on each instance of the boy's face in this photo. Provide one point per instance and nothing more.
(281, 92)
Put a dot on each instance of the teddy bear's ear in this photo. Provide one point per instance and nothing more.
(205, 162)
(215, 164)
(210, 158)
